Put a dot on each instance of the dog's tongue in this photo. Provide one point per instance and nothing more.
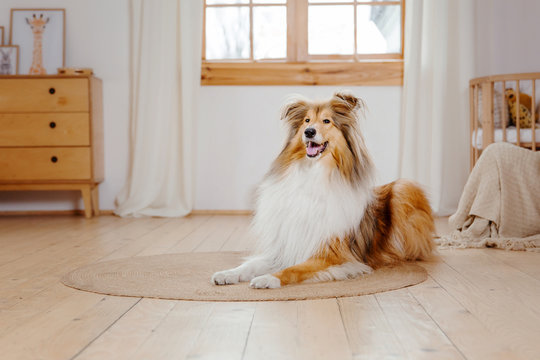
(313, 149)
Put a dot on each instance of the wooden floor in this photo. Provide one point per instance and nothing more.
(476, 304)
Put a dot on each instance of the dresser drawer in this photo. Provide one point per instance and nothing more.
(46, 129)
(45, 163)
(44, 95)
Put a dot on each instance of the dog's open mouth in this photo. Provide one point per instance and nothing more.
(313, 149)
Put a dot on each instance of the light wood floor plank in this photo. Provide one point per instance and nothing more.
(28, 340)
(501, 281)
(14, 228)
(321, 334)
(55, 248)
(525, 261)
(36, 236)
(174, 233)
(496, 310)
(241, 239)
(465, 331)
(176, 334)
(132, 243)
(224, 334)
(368, 330)
(418, 333)
(192, 240)
(224, 227)
(274, 332)
(83, 329)
(125, 336)
(22, 311)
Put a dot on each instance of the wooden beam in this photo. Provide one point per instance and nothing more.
(388, 73)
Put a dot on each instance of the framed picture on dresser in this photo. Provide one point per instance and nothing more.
(9, 59)
(40, 35)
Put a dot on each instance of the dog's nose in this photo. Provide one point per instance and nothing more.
(310, 132)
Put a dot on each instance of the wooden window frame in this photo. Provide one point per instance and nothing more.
(300, 68)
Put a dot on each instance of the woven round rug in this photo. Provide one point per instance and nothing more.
(186, 276)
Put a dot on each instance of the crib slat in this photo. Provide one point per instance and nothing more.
(487, 114)
(518, 132)
(473, 120)
(504, 110)
(533, 114)
(475, 123)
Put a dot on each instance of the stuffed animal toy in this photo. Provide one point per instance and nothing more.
(525, 112)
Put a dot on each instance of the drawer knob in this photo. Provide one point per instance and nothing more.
(54, 159)
(52, 91)
(52, 124)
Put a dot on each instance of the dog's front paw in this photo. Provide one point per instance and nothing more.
(265, 282)
(226, 277)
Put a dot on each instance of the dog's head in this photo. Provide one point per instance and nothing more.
(326, 132)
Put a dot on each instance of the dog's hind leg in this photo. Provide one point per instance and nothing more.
(253, 267)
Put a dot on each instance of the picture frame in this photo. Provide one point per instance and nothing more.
(9, 60)
(2, 31)
(41, 37)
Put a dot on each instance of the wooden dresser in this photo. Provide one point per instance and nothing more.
(51, 135)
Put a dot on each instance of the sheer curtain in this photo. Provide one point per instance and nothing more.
(439, 62)
(165, 48)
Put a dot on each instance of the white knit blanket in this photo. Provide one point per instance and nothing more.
(500, 205)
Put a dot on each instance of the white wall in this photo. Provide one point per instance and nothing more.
(96, 37)
(507, 34)
(238, 134)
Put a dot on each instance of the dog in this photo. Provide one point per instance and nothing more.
(318, 216)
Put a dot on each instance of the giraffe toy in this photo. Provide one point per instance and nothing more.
(37, 24)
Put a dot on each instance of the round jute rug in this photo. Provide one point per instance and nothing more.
(186, 276)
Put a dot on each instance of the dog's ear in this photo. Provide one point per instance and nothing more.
(352, 102)
(294, 112)
(293, 109)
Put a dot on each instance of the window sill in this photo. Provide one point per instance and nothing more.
(368, 73)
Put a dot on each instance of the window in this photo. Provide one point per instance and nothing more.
(302, 42)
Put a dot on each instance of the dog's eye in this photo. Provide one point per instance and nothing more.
(326, 121)
(307, 120)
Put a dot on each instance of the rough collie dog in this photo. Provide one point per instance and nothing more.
(318, 216)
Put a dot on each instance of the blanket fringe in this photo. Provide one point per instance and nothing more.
(458, 240)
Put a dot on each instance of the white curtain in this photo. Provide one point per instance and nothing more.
(165, 48)
(439, 62)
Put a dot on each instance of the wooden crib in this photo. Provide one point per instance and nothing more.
(491, 119)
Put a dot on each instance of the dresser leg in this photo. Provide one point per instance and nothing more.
(87, 199)
(95, 200)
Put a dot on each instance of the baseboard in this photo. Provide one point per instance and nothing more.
(111, 212)
(52, 213)
(221, 212)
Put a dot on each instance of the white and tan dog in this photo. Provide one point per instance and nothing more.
(318, 216)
